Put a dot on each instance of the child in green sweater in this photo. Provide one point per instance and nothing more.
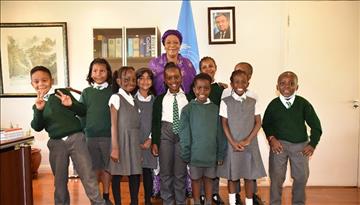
(57, 114)
(284, 124)
(97, 125)
(201, 138)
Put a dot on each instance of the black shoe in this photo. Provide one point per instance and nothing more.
(202, 199)
(238, 200)
(217, 199)
(108, 202)
(257, 200)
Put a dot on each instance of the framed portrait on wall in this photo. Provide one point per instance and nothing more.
(221, 25)
(26, 45)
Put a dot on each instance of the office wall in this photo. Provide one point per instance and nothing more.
(261, 38)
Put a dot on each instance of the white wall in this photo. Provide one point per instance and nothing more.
(260, 39)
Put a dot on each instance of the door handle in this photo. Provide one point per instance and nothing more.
(356, 103)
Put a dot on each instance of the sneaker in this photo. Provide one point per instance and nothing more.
(217, 199)
(202, 199)
(257, 200)
(238, 200)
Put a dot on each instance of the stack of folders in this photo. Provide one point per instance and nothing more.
(11, 133)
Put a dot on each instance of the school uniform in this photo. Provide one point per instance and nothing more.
(97, 123)
(149, 162)
(201, 138)
(172, 167)
(128, 135)
(66, 140)
(285, 120)
(129, 146)
(240, 112)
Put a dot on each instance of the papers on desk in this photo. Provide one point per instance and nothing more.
(11, 133)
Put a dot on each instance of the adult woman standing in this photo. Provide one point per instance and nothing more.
(172, 40)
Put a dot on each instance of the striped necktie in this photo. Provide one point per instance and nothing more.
(288, 103)
(175, 116)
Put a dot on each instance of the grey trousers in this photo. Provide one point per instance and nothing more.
(299, 165)
(60, 151)
(172, 168)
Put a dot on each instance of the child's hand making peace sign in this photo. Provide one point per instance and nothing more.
(65, 99)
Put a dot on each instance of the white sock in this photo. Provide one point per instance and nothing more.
(232, 199)
(248, 201)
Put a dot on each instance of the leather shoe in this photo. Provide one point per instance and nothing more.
(257, 200)
(217, 199)
(202, 199)
(238, 200)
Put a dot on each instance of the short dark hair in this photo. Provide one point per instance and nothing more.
(201, 76)
(207, 58)
(170, 65)
(237, 72)
(286, 73)
(40, 68)
(117, 74)
(103, 62)
(248, 65)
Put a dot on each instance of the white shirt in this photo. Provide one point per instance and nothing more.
(115, 99)
(167, 105)
(47, 95)
(207, 101)
(284, 100)
(227, 92)
(100, 86)
(223, 106)
(142, 98)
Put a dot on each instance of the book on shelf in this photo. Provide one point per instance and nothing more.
(136, 47)
(118, 47)
(142, 46)
(147, 46)
(104, 48)
(11, 133)
(130, 48)
(153, 46)
(111, 47)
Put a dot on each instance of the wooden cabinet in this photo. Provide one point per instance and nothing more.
(127, 46)
(15, 172)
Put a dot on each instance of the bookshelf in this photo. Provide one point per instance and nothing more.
(126, 46)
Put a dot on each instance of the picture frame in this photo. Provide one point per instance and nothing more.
(221, 25)
(26, 45)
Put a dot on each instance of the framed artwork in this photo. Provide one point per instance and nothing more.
(26, 45)
(221, 25)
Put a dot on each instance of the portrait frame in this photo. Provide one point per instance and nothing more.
(224, 14)
(26, 45)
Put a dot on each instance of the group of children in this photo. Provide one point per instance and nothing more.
(212, 130)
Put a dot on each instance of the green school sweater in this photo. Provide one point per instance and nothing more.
(201, 135)
(289, 124)
(59, 121)
(97, 121)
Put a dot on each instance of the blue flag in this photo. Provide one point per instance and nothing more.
(189, 46)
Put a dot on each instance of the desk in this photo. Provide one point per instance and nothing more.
(15, 172)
